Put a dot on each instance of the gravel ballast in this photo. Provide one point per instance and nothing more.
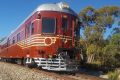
(15, 72)
(10, 71)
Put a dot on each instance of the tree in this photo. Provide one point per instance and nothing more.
(95, 22)
(2, 39)
(112, 52)
(116, 30)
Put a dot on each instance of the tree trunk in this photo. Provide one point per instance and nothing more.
(90, 58)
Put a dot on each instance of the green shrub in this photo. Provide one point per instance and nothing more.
(113, 75)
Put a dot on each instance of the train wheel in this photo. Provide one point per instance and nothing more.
(19, 61)
(31, 64)
(24, 62)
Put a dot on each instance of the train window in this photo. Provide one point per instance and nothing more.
(18, 37)
(28, 30)
(8, 42)
(13, 40)
(32, 28)
(64, 23)
(48, 25)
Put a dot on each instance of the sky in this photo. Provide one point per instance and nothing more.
(13, 12)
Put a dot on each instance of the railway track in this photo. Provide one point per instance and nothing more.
(54, 75)
(68, 76)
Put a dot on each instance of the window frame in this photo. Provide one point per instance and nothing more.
(54, 26)
(13, 40)
(28, 29)
(32, 29)
(8, 42)
(18, 37)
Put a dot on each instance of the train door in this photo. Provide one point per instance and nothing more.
(73, 26)
(66, 30)
(29, 30)
(66, 25)
(75, 30)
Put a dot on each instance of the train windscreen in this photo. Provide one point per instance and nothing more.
(48, 25)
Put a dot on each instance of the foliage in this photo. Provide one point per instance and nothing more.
(113, 75)
(116, 30)
(94, 22)
(2, 39)
(119, 23)
(112, 52)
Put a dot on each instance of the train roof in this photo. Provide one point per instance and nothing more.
(60, 7)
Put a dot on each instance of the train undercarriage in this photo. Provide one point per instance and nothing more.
(64, 61)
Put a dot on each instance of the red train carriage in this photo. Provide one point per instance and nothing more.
(46, 38)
